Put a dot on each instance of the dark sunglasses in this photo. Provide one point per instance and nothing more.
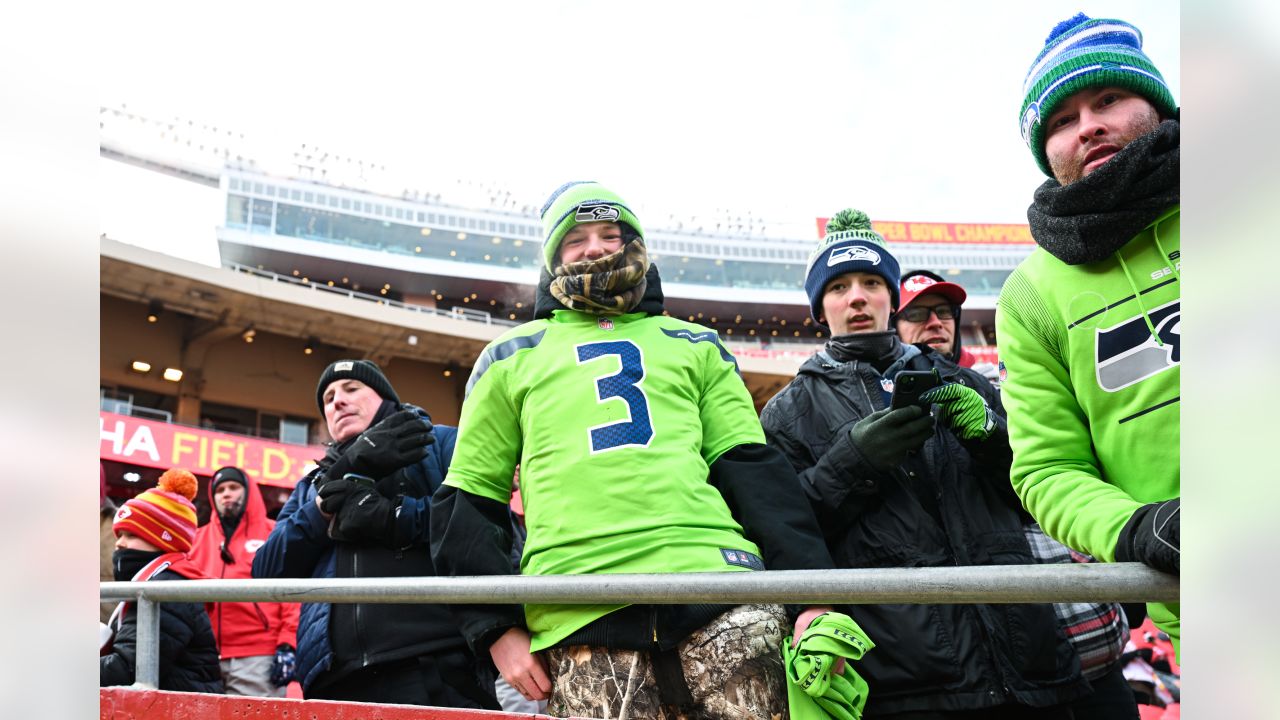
(918, 313)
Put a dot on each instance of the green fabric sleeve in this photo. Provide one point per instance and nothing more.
(488, 446)
(725, 408)
(1055, 471)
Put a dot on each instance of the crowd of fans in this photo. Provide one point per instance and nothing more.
(637, 450)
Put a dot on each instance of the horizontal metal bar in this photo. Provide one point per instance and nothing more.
(1123, 582)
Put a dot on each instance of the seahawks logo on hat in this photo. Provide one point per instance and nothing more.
(851, 253)
(599, 212)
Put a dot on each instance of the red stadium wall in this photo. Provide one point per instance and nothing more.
(127, 704)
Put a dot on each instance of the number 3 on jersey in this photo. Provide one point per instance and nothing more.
(624, 385)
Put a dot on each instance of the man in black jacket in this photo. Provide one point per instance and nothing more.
(895, 488)
(363, 513)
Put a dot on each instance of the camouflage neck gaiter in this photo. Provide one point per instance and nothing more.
(611, 285)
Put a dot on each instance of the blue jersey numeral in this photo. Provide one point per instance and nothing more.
(624, 385)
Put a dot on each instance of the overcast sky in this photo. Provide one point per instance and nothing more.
(907, 110)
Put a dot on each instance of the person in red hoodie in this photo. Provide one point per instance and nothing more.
(256, 639)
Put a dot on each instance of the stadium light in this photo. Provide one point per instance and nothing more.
(248, 334)
(141, 367)
(310, 347)
(172, 374)
(154, 308)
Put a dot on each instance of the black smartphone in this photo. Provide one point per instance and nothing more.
(909, 385)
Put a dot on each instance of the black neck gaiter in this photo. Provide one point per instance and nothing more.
(879, 349)
(126, 562)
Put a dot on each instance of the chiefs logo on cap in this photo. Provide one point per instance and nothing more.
(916, 283)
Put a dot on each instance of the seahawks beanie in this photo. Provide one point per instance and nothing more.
(578, 202)
(850, 245)
(366, 371)
(1082, 52)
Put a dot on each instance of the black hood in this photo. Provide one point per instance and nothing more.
(651, 304)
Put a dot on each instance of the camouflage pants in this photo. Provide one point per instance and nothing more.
(733, 668)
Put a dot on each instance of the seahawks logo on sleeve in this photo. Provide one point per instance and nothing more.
(1128, 353)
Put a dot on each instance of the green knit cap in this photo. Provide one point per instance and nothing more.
(1080, 53)
(579, 202)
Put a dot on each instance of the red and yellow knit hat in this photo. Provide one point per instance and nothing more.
(163, 515)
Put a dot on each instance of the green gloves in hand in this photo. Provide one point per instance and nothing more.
(814, 692)
(885, 437)
(964, 410)
(399, 440)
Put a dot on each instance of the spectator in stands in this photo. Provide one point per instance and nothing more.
(153, 535)
(256, 639)
(929, 314)
(364, 513)
(922, 292)
(639, 452)
(1089, 324)
(106, 538)
(892, 488)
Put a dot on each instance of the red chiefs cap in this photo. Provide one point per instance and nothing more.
(913, 286)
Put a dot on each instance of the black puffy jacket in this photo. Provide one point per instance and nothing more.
(188, 650)
(949, 504)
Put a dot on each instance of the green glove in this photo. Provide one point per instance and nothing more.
(813, 692)
(963, 409)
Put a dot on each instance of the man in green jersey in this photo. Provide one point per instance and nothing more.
(1089, 325)
(639, 452)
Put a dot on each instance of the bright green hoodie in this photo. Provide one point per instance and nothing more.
(1091, 355)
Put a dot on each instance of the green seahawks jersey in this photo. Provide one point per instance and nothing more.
(614, 422)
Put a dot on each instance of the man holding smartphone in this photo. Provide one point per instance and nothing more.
(364, 512)
(923, 485)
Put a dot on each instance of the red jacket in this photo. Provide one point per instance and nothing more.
(243, 629)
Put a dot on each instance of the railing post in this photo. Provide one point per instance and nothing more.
(147, 660)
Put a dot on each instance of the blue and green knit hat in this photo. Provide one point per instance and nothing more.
(1083, 52)
(850, 245)
(578, 202)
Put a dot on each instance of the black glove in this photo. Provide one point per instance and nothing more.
(284, 665)
(366, 515)
(399, 440)
(1152, 538)
(885, 437)
(333, 492)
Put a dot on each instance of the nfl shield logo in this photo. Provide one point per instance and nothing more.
(605, 323)
(1004, 374)
(887, 384)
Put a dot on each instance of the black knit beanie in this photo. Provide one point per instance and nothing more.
(229, 474)
(366, 371)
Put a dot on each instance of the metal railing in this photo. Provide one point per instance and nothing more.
(1093, 582)
(455, 313)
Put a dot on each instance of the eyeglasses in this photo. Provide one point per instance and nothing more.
(920, 313)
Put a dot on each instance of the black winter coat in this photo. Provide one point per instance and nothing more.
(949, 504)
(188, 650)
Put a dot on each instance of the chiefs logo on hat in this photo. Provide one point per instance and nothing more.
(916, 283)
